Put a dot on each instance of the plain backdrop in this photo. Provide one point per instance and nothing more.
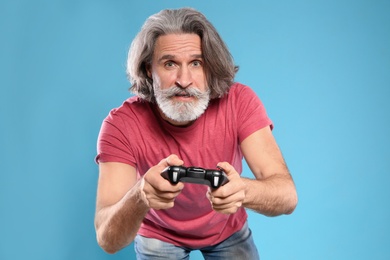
(322, 69)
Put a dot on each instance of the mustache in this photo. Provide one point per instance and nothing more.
(177, 91)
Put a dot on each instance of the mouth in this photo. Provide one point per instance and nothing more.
(183, 94)
(177, 93)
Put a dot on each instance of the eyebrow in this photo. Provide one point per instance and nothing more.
(171, 57)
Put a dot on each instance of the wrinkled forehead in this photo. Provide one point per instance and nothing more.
(173, 45)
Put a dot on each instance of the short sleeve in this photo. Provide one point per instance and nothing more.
(113, 143)
(251, 113)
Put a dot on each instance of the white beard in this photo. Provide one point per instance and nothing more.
(182, 111)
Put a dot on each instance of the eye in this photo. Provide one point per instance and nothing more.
(169, 64)
(197, 63)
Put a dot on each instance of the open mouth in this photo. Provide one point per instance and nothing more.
(175, 92)
(183, 95)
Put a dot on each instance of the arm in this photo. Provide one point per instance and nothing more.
(123, 201)
(118, 201)
(271, 193)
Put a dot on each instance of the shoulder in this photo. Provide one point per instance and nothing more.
(133, 113)
(239, 90)
(131, 107)
(239, 94)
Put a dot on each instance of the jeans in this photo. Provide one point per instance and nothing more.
(240, 245)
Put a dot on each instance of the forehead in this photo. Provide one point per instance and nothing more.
(177, 45)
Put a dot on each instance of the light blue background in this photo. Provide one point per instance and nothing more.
(322, 69)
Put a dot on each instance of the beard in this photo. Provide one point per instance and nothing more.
(182, 111)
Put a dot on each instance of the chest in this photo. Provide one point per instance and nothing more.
(212, 139)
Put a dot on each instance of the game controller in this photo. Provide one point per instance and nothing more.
(212, 178)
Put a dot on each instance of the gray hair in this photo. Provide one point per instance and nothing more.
(219, 65)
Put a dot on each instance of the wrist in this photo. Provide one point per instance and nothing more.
(142, 195)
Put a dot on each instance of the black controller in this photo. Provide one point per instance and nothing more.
(212, 178)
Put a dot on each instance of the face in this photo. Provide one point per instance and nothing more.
(179, 80)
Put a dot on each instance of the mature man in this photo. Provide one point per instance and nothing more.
(187, 111)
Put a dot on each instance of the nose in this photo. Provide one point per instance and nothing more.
(184, 77)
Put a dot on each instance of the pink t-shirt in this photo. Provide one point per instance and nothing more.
(135, 134)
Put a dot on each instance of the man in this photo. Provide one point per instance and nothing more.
(187, 112)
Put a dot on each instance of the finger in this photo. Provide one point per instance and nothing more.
(227, 168)
(225, 207)
(158, 199)
(172, 159)
(162, 187)
(162, 200)
(236, 198)
(168, 195)
(227, 210)
(158, 204)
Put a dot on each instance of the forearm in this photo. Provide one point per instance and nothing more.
(117, 225)
(272, 196)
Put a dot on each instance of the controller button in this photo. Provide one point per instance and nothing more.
(174, 177)
(216, 180)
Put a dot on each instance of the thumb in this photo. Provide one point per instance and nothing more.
(172, 159)
(227, 168)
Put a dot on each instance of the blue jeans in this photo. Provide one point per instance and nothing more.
(240, 245)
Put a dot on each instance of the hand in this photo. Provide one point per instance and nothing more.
(228, 198)
(156, 192)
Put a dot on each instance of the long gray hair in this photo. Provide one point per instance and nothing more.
(219, 65)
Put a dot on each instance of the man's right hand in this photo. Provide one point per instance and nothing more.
(157, 192)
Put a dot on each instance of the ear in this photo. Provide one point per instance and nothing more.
(148, 68)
